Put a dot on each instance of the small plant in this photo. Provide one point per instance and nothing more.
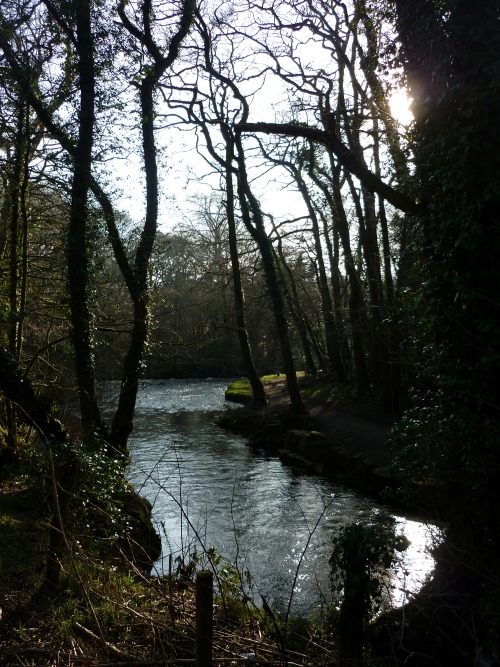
(97, 479)
(361, 555)
(233, 586)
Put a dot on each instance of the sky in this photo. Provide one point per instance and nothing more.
(184, 174)
(185, 179)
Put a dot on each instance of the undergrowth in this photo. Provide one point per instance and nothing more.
(108, 611)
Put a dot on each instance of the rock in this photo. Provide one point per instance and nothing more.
(267, 436)
(293, 459)
(141, 543)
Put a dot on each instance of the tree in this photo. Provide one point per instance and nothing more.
(457, 157)
(149, 79)
(77, 240)
(450, 55)
(75, 23)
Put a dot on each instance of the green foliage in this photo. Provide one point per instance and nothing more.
(4, 443)
(96, 507)
(361, 554)
(65, 615)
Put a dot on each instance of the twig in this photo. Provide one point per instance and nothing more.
(110, 647)
(68, 548)
(302, 555)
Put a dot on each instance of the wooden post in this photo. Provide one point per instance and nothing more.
(204, 618)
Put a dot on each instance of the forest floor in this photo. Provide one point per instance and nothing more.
(107, 613)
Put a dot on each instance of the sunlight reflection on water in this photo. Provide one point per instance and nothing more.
(207, 486)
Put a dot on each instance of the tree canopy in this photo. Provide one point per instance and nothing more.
(334, 239)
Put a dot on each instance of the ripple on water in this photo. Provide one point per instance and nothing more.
(207, 484)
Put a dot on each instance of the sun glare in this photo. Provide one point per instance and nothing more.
(400, 106)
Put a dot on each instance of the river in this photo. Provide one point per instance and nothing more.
(210, 490)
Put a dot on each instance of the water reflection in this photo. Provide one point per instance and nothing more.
(207, 486)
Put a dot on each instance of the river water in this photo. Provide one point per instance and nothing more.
(210, 490)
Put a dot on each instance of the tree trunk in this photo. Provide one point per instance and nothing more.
(356, 299)
(332, 338)
(13, 206)
(258, 393)
(249, 203)
(123, 419)
(137, 278)
(331, 237)
(77, 241)
(297, 312)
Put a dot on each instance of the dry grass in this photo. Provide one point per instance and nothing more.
(110, 614)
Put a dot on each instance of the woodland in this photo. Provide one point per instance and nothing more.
(383, 283)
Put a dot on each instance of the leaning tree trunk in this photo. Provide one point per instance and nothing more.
(258, 393)
(248, 204)
(123, 419)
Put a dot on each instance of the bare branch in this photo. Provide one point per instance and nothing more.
(346, 158)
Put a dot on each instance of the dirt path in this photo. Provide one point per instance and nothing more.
(353, 432)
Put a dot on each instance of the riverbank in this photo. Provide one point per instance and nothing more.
(107, 612)
(342, 438)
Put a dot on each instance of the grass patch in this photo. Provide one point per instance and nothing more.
(240, 391)
(273, 378)
(321, 390)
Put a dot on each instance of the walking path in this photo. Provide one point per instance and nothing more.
(340, 443)
(356, 434)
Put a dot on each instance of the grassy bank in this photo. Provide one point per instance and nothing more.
(240, 390)
(319, 388)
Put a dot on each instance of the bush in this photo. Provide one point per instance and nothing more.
(362, 553)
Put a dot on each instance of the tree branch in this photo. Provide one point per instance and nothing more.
(346, 158)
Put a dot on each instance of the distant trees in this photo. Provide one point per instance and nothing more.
(335, 145)
(194, 313)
